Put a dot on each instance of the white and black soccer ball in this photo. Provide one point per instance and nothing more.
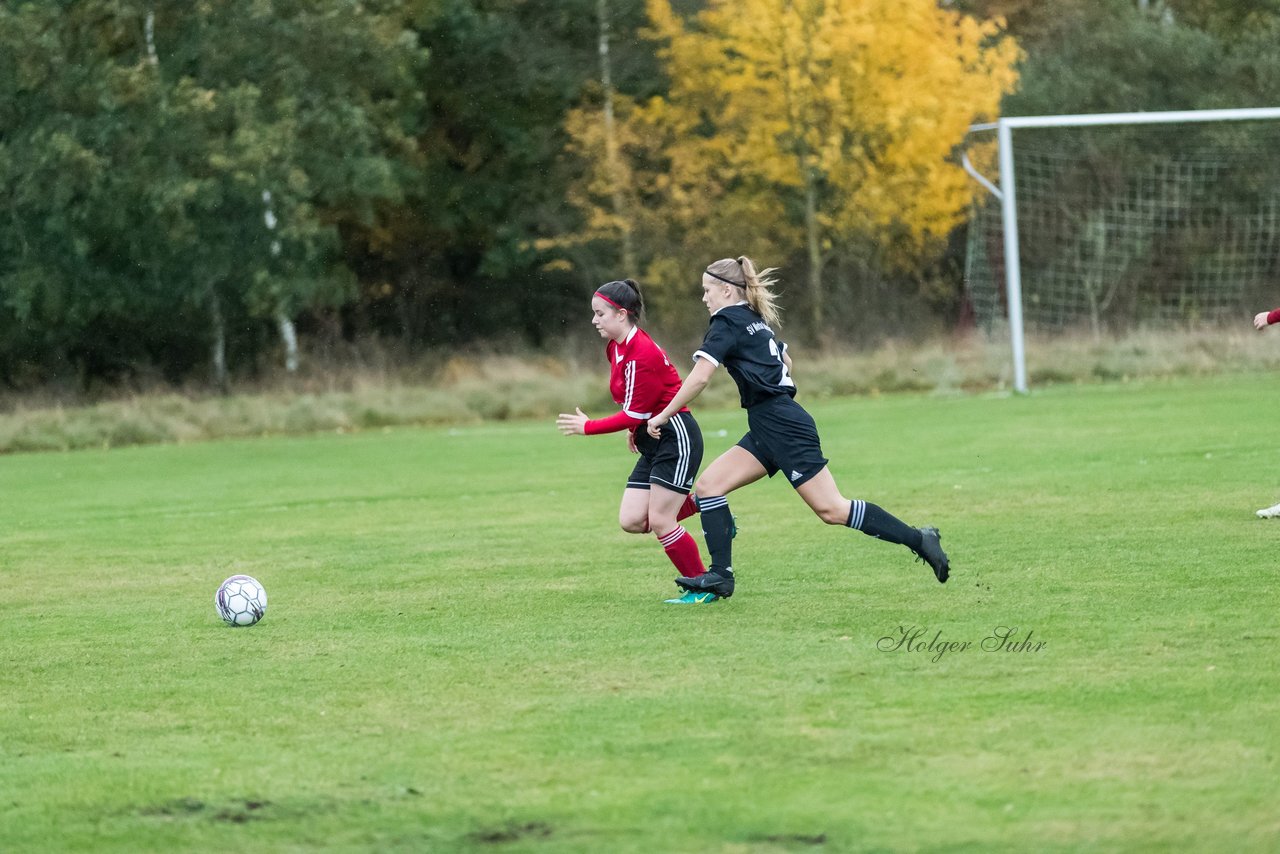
(241, 601)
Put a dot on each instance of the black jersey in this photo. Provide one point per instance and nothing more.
(739, 339)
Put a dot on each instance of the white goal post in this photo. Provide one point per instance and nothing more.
(1006, 192)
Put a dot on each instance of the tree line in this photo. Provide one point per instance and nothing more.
(205, 188)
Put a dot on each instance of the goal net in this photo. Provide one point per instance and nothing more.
(1122, 223)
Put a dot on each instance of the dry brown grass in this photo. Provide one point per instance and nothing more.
(469, 389)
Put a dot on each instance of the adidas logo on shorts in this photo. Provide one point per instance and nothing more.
(795, 475)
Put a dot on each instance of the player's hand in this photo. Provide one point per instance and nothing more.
(656, 424)
(572, 425)
(631, 442)
(1260, 320)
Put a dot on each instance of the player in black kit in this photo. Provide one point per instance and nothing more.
(781, 435)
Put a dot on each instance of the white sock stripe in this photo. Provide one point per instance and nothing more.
(859, 512)
(714, 503)
(672, 537)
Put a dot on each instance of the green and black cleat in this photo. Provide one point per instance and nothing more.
(691, 598)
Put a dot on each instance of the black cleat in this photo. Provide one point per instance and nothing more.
(931, 552)
(708, 582)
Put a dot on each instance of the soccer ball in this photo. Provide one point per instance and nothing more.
(241, 601)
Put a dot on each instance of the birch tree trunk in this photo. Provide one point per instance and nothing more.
(289, 337)
(218, 352)
(288, 332)
(149, 28)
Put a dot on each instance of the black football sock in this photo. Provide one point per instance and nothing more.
(874, 521)
(717, 530)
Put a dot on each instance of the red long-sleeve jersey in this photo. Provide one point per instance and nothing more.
(642, 381)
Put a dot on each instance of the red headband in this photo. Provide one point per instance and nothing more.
(611, 302)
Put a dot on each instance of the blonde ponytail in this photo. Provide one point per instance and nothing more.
(758, 286)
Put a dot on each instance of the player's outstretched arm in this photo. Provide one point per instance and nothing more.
(689, 390)
(580, 424)
(1263, 319)
(572, 425)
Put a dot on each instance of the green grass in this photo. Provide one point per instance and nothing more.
(463, 653)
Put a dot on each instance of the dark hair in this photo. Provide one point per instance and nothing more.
(624, 294)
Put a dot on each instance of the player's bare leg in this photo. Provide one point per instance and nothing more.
(633, 513)
(664, 507)
(733, 469)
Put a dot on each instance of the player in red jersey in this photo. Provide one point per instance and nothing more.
(643, 381)
(1261, 321)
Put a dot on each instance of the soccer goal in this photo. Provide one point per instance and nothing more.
(1109, 222)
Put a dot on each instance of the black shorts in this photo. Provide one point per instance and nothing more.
(671, 460)
(783, 437)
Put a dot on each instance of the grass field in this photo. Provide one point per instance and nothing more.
(463, 652)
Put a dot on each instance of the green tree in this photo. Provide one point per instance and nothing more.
(1227, 18)
(473, 252)
(140, 141)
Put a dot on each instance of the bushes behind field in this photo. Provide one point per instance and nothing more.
(477, 388)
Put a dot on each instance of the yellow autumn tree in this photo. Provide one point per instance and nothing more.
(807, 126)
(666, 195)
